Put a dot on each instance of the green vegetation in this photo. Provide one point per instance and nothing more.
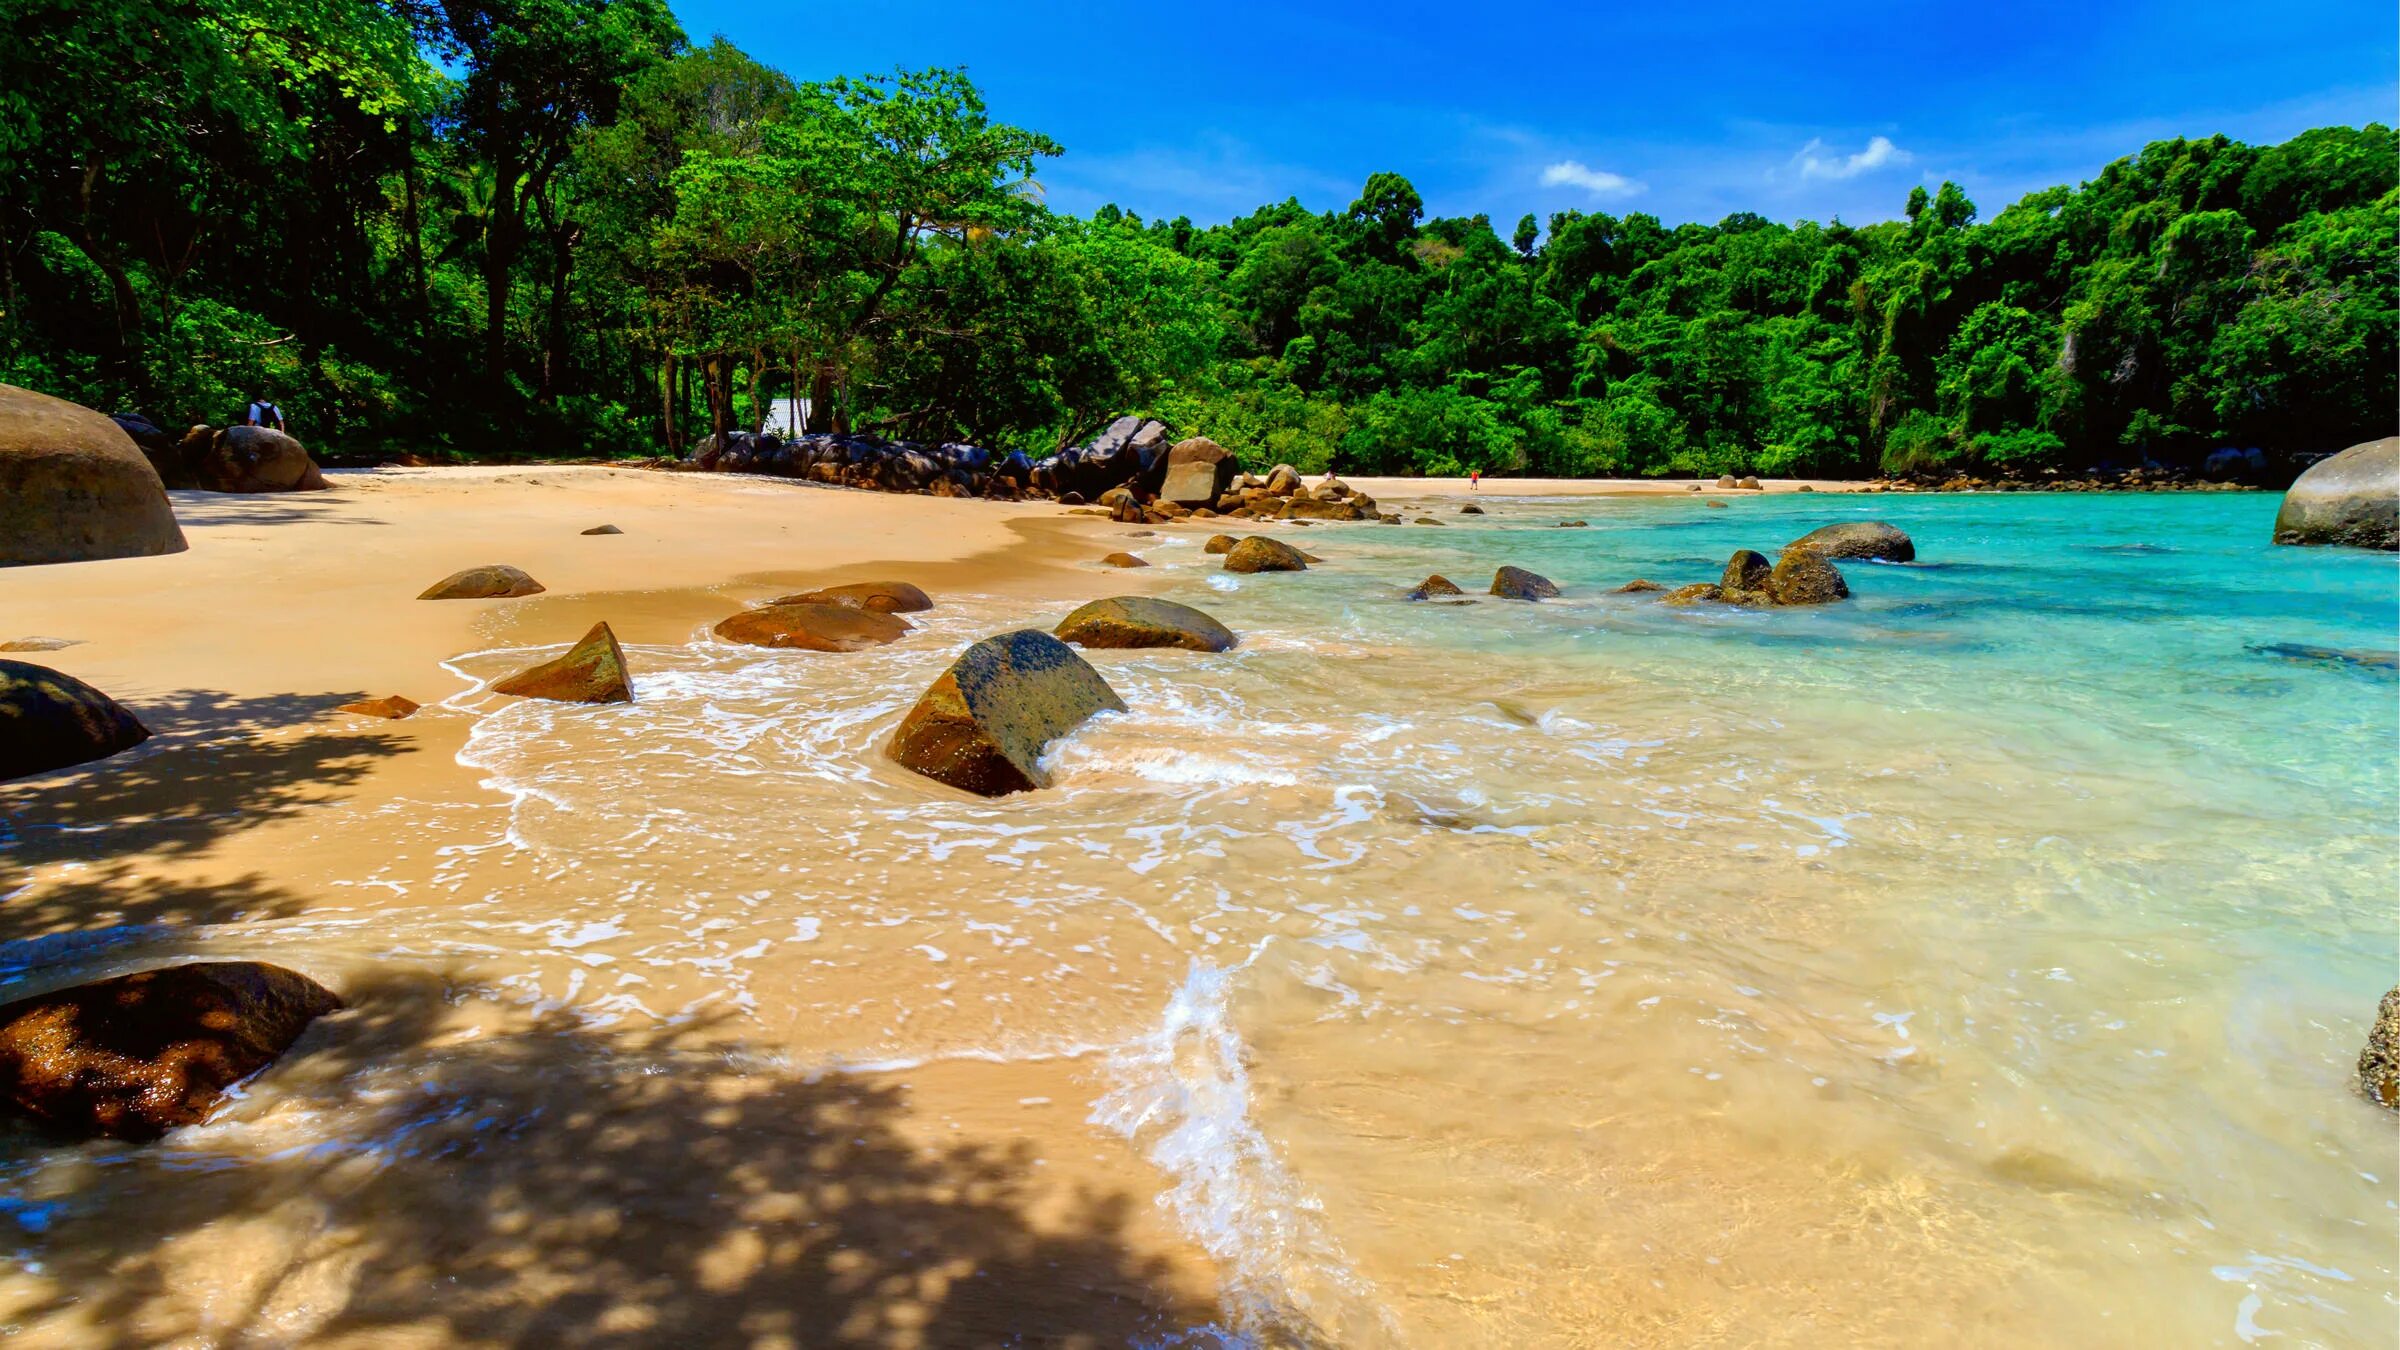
(553, 227)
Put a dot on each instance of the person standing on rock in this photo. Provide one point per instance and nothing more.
(263, 413)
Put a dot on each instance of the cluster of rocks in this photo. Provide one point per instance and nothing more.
(2223, 470)
(947, 470)
(224, 459)
(1803, 574)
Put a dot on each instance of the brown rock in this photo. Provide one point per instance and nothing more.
(1638, 585)
(1692, 594)
(982, 727)
(493, 581)
(391, 707)
(1804, 576)
(883, 597)
(592, 671)
(255, 459)
(604, 529)
(1747, 570)
(812, 627)
(1435, 586)
(50, 720)
(1713, 504)
(74, 487)
(1218, 543)
(1257, 553)
(2379, 1063)
(1859, 539)
(1574, 524)
(1470, 509)
(39, 644)
(1515, 583)
(1123, 560)
(1726, 481)
(1138, 621)
(1425, 520)
(1748, 483)
(138, 1055)
(1323, 508)
(1283, 480)
(1198, 472)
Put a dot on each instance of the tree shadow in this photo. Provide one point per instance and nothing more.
(398, 1180)
(195, 507)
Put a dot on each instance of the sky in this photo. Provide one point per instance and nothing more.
(1685, 109)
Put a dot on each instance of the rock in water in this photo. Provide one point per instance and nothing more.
(883, 597)
(983, 725)
(73, 486)
(256, 459)
(1138, 621)
(592, 671)
(816, 628)
(493, 581)
(1714, 505)
(391, 707)
(1470, 509)
(1638, 585)
(1692, 594)
(135, 1056)
(1122, 560)
(2379, 1063)
(1747, 571)
(2352, 498)
(1218, 543)
(1515, 583)
(1257, 553)
(1198, 471)
(2299, 651)
(1804, 576)
(50, 721)
(1435, 586)
(1859, 539)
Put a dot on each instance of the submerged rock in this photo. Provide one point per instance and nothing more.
(883, 597)
(138, 1055)
(2331, 656)
(1693, 594)
(391, 707)
(1435, 586)
(493, 581)
(811, 627)
(1515, 583)
(50, 720)
(1139, 621)
(1859, 539)
(1122, 560)
(1804, 576)
(1638, 585)
(2379, 1063)
(1257, 553)
(1713, 504)
(1470, 509)
(592, 671)
(74, 487)
(982, 727)
(2352, 498)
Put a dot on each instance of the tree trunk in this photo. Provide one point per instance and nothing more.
(666, 402)
(503, 232)
(554, 345)
(758, 384)
(720, 398)
(821, 416)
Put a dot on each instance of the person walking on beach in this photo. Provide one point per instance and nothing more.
(263, 413)
(1474, 480)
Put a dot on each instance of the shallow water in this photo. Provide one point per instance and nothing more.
(1981, 960)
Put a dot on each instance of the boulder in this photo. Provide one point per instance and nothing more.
(1323, 508)
(138, 1055)
(1435, 586)
(1748, 483)
(2352, 498)
(1803, 576)
(1859, 539)
(1122, 560)
(1470, 509)
(1713, 504)
(883, 597)
(1515, 583)
(391, 707)
(1638, 585)
(1747, 572)
(1138, 621)
(1692, 594)
(1726, 481)
(1197, 472)
(592, 671)
(74, 487)
(1257, 553)
(49, 721)
(492, 581)
(1218, 543)
(255, 459)
(811, 627)
(1425, 520)
(1283, 480)
(982, 727)
(604, 529)
(2379, 1063)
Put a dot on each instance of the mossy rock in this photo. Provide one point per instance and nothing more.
(1128, 621)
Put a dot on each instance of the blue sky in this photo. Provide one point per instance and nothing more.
(1686, 110)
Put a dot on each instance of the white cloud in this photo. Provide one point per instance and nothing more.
(1598, 182)
(1879, 152)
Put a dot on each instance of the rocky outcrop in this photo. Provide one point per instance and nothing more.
(2379, 1063)
(251, 459)
(49, 720)
(1804, 576)
(492, 581)
(1122, 560)
(1515, 583)
(1435, 587)
(949, 470)
(74, 487)
(810, 627)
(1859, 539)
(2352, 498)
(391, 707)
(1138, 621)
(138, 1055)
(1747, 571)
(883, 597)
(1197, 472)
(1693, 594)
(982, 727)
(1257, 553)
(592, 671)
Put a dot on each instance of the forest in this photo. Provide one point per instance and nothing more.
(562, 228)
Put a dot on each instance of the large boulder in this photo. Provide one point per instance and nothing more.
(74, 487)
(2352, 498)
(1515, 583)
(1803, 576)
(135, 1056)
(49, 721)
(1859, 539)
(816, 628)
(592, 671)
(883, 597)
(1326, 508)
(2379, 1063)
(1748, 579)
(1257, 553)
(1219, 544)
(492, 581)
(982, 727)
(1197, 472)
(255, 459)
(1139, 621)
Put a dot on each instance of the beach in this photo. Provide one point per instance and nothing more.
(1587, 972)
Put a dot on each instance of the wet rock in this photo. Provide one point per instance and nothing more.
(1859, 539)
(1138, 621)
(391, 707)
(1637, 586)
(2379, 1063)
(2315, 655)
(2352, 498)
(982, 727)
(1714, 505)
(883, 597)
(1574, 524)
(1218, 543)
(1693, 594)
(50, 720)
(1747, 578)
(1470, 509)
(1515, 583)
(1122, 560)
(137, 1055)
(1435, 587)
(74, 487)
(494, 581)
(1804, 576)
(39, 644)
(1257, 553)
(812, 627)
(1426, 520)
(592, 671)
(254, 459)
(604, 529)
